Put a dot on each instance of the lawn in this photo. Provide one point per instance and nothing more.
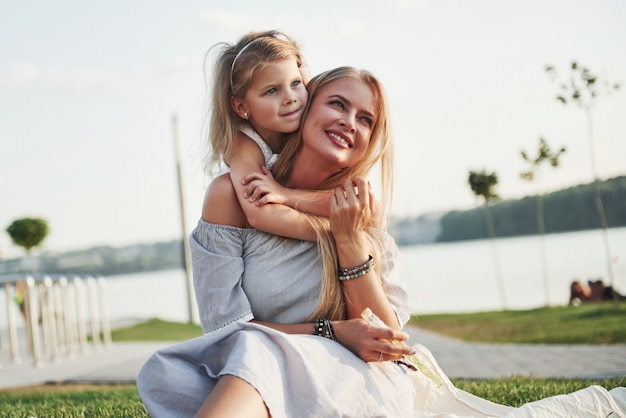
(601, 323)
(589, 324)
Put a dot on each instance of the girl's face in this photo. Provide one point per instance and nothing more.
(275, 100)
(340, 122)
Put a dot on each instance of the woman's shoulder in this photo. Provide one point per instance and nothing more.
(210, 235)
(221, 205)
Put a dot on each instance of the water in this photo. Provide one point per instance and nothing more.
(454, 277)
(462, 276)
(161, 294)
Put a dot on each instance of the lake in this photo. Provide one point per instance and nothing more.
(442, 278)
(462, 276)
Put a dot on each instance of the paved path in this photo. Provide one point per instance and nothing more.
(121, 362)
(478, 361)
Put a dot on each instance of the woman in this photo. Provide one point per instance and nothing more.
(259, 294)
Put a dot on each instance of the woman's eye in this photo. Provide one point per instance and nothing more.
(367, 120)
(338, 103)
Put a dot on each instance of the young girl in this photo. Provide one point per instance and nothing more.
(258, 99)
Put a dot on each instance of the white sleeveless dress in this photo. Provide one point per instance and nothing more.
(268, 155)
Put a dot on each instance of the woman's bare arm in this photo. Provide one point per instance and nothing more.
(352, 208)
(358, 336)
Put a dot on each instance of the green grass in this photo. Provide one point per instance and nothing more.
(114, 401)
(585, 324)
(157, 330)
(72, 401)
(515, 391)
(593, 324)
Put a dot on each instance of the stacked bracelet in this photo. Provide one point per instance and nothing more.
(348, 273)
(324, 328)
(330, 331)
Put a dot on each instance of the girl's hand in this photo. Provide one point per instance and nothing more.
(261, 188)
(371, 343)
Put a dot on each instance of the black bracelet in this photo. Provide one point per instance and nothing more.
(324, 328)
(319, 327)
(330, 331)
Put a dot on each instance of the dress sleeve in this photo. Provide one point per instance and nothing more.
(218, 267)
(393, 277)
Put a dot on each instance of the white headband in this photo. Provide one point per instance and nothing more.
(232, 66)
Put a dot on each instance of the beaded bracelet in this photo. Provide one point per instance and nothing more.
(348, 273)
(319, 327)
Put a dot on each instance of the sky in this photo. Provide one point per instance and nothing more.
(88, 92)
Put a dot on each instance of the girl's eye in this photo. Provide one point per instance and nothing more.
(271, 91)
(296, 83)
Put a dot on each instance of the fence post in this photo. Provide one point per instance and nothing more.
(104, 311)
(93, 310)
(31, 320)
(68, 317)
(13, 341)
(79, 290)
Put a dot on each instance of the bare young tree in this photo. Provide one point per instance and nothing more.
(544, 155)
(483, 185)
(583, 88)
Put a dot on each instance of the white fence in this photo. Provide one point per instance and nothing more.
(52, 317)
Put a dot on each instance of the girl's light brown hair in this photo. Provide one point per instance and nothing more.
(252, 52)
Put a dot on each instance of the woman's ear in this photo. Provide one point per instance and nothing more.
(239, 106)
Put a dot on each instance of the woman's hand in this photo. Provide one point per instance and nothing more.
(351, 210)
(261, 188)
(371, 343)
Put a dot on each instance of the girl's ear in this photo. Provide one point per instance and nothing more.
(239, 106)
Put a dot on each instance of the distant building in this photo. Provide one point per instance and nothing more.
(423, 229)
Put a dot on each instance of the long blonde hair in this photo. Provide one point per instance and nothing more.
(232, 75)
(380, 152)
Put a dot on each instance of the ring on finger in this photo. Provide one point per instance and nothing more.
(380, 357)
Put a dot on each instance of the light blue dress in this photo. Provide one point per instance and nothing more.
(244, 274)
(241, 274)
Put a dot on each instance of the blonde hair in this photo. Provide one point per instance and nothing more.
(380, 152)
(233, 72)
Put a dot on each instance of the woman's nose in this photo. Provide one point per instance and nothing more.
(349, 121)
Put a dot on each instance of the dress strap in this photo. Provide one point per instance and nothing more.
(269, 157)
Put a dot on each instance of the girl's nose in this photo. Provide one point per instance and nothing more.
(290, 97)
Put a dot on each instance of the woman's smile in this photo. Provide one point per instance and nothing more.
(340, 139)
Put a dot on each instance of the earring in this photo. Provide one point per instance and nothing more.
(245, 115)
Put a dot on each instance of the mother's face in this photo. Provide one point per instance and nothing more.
(339, 124)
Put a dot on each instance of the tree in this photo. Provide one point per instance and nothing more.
(544, 155)
(483, 184)
(583, 89)
(28, 233)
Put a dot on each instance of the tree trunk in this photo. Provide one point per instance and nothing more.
(542, 237)
(492, 237)
(599, 206)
